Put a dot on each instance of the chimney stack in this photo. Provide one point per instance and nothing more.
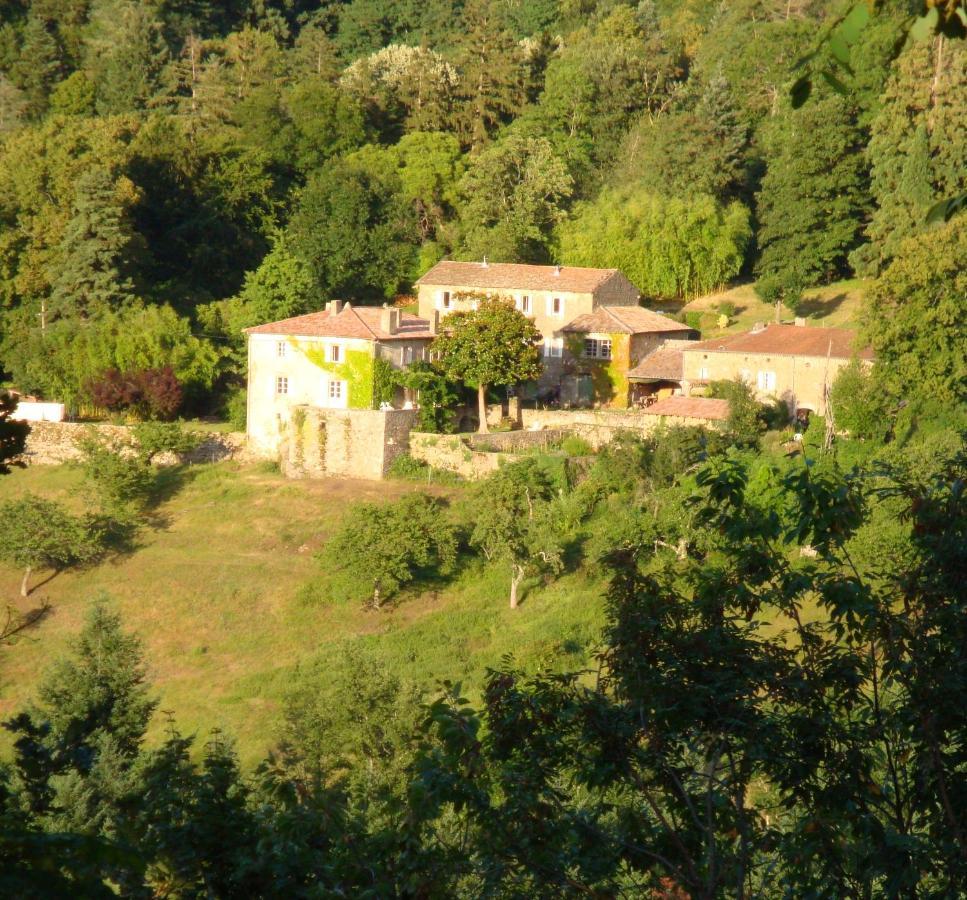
(801, 321)
(759, 326)
(334, 307)
(389, 319)
(557, 271)
(484, 263)
(435, 321)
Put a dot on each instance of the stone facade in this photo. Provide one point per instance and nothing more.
(349, 443)
(53, 443)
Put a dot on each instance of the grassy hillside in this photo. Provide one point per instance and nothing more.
(835, 304)
(214, 591)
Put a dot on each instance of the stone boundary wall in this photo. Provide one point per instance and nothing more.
(349, 443)
(54, 443)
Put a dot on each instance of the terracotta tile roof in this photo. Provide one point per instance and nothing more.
(690, 407)
(624, 320)
(517, 277)
(791, 340)
(361, 322)
(663, 364)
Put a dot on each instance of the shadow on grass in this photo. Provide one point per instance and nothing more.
(15, 622)
(820, 307)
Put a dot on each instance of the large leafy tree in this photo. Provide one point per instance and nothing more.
(491, 345)
(355, 230)
(669, 247)
(914, 317)
(813, 201)
(513, 196)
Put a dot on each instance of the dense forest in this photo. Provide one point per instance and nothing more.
(172, 172)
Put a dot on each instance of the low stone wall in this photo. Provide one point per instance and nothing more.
(351, 443)
(515, 441)
(53, 443)
(600, 426)
(451, 452)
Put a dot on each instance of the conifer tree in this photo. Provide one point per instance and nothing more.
(40, 65)
(94, 253)
(491, 70)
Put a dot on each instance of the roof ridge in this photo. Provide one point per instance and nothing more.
(615, 316)
(350, 308)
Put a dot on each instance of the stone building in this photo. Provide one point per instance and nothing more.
(325, 360)
(795, 363)
(561, 300)
(601, 348)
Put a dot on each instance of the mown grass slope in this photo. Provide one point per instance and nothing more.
(215, 590)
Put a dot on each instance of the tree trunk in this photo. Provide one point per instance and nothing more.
(23, 584)
(516, 577)
(377, 598)
(482, 409)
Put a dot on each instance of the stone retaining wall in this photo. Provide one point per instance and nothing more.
(53, 443)
(351, 443)
(600, 426)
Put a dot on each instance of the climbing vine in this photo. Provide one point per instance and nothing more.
(609, 378)
(357, 370)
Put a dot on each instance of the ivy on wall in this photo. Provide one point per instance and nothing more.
(357, 370)
(609, 378)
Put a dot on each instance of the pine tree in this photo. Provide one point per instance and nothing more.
(40, 65)
(491, 70)
(126, 54)
(813, 198)
(94, 253)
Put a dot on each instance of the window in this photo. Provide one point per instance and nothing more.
(524, 305)
(745, 375)
(407, 355)
(766, 381)
(597, 348)
(703, 373)
(555, 306)
(553, 347)
(281, 348)
(335, 390)
(333, 353)
(445, 299)
(282, 385)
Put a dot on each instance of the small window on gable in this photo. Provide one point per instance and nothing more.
(281, 349)
(333, 353)
(282, 385)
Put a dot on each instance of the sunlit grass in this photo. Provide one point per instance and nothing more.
(215, 592)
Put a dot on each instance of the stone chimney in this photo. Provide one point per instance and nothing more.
(435, 321)
(389, 319)
(801, 321)
(557, 271)
(759, 326)
(334, 307)
(484, 263)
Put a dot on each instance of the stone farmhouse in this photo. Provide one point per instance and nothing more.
(594, 332)
(796, 363)
(325, 360)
